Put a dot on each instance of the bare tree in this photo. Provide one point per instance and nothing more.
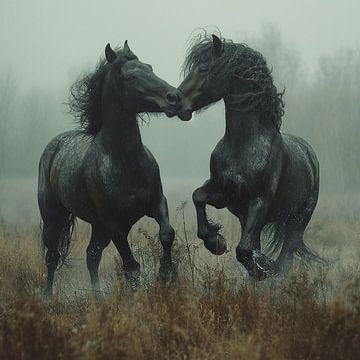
(36, 114)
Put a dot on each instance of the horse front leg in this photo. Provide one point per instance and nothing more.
(130, 265)
(207, 231)
(100, 239)
(248, 251)
(167, 271)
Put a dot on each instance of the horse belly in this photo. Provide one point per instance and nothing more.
(73, 195)
(116, 196)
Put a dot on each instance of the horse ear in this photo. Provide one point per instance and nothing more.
(217, 45)
(126, 46)
(109, 53)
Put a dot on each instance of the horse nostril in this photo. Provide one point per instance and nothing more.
(173, 98)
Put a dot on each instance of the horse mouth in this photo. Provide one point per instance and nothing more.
(170, 114)
(185, 115)
(171, 111)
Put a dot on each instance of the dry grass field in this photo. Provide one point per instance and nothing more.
(212, 312)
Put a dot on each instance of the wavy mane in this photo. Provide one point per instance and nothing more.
(85, 95)
(246, 64)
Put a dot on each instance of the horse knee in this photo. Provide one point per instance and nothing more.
(167, 237)
(167, 234)
(93, 255)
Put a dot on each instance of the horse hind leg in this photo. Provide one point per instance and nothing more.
(248, 251)
(293, 242)
(293, 238)
(56, 229)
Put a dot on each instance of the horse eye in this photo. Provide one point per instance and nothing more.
(203, 68)
(205, 59)
(130, 77)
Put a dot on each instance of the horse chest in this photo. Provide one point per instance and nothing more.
(236, 167)
(240, 166)
(119, 194)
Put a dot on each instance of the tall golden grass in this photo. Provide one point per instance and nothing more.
(212, 312)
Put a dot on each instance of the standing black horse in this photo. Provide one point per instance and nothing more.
(103, 173)
(269, 180)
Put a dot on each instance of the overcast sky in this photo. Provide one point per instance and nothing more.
(47, 42)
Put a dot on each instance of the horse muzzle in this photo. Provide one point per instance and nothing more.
(185, 115)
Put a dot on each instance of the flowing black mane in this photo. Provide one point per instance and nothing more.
(246, 64)
(85, 95)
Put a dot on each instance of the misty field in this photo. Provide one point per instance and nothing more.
(212, 312)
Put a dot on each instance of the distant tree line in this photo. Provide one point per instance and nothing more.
(27, 122)
(322, 106)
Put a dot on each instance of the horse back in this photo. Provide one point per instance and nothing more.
(93, 184)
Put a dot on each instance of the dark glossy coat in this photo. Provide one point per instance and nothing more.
(269, 180)
(103, 173)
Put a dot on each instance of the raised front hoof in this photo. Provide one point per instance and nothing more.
(257, 264)
(216, 244)
(263, 268)
(133, 278)
(167, 273)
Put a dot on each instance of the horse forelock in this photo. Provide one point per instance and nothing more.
(240, 61)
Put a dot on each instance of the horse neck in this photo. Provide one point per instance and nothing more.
(243, 127)
(120, 134)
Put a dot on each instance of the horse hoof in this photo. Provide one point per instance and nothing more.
(216, 244)
(257, 265)
(264, 267)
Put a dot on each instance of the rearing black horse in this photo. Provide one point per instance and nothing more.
(269, 180)
(103, 173)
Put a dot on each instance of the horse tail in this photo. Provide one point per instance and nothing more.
(273, 236)
(65, 237)
(308, 255)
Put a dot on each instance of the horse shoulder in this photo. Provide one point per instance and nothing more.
(262, 163)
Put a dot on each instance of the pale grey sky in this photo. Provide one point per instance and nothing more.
(44, 41)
